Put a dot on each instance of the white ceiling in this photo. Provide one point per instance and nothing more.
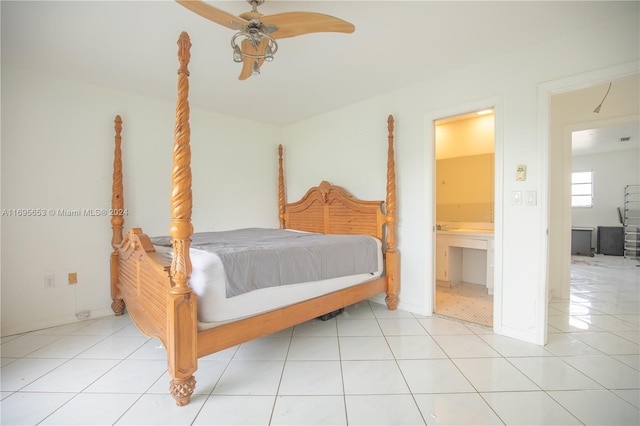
(605, 139)
(131, 45)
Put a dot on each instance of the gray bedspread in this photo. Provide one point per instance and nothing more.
(256, 258)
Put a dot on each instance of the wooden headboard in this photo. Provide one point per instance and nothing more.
(330, 209)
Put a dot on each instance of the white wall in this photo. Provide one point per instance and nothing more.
(352, 140)
(57, 153)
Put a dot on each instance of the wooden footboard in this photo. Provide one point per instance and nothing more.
(144, 282)
(156, 291)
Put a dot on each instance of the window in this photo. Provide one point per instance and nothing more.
(582, 189)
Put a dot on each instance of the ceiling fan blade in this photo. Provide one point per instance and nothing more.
(291, 24)
(247, 63)
(214, 14)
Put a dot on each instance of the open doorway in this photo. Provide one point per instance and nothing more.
(604, 165)
(602, 99)
(585, 140)
(465, 216)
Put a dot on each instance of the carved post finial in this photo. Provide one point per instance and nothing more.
(392, 256)
(117, 199)
(117, 218)
(281, 194)
(391, 186)
(184, 53)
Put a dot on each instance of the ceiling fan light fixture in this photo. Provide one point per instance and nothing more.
(255, 36)
(255, 70)
(268, 53)
(237, 54)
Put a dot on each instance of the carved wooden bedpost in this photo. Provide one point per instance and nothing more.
(392, 260)
(182, 318)
(117, 219)
(281, 196)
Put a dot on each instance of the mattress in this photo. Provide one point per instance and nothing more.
(209, 284)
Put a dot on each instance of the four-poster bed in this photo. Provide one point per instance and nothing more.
(156, 290)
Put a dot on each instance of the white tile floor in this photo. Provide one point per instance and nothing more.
(366, 367)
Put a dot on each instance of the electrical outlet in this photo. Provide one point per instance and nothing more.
(49, 281)
(73, 278)
(82, 315)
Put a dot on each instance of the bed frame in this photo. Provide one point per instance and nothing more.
(156, 293)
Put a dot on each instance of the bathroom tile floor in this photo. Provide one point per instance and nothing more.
(466, 302)
(368, 366)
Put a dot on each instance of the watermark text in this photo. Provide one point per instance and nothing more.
(51, 212)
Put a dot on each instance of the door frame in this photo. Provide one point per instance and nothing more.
(430, 162)
(545, 91)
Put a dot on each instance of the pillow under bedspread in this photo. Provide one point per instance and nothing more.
(256, 258)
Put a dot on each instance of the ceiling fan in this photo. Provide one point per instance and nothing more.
(257, 33)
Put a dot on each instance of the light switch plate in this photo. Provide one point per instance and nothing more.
(532, 198)
(516, 198)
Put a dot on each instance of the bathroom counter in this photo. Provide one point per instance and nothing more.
(466, 231)
(465, 254)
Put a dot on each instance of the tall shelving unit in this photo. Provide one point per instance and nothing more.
(631, 221)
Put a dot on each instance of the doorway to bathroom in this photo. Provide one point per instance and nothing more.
(465, 216)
